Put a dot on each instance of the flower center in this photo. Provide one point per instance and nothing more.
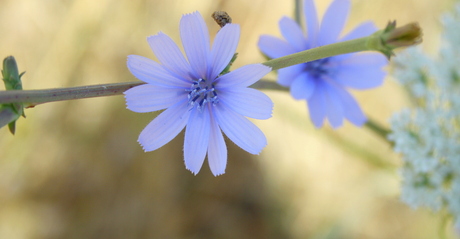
(200, 93)
(318, 68)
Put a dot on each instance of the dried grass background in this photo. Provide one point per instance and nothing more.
(75, 170)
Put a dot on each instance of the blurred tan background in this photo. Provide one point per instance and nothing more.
(75, 170)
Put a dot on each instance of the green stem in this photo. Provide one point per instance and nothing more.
(34, 97)
(378, 129)
(445, 219)
(356, 45)
(383, 41)
(268, 85)
(298, 12)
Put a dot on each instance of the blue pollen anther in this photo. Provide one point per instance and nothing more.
(201, 92)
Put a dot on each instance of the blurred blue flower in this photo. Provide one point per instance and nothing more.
(196, 95)
(323, 83)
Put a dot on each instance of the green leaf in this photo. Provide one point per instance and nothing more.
(9, 113)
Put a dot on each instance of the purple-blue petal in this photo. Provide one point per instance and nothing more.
(287, 75)
(334, 109)
(333, 21)
(352, 111)
(362, 71)
(240, 130)
(243, 76)
(247, 102)
(317, 106)
(217, 150)
(303, 87)
(151, 72)
(363, 30)
(169, 54)
(292, 32)
(195, 39)
(311, 18)
(274, 47)
(148, 98)
(223, 48)
(164, 127)
(196, 139)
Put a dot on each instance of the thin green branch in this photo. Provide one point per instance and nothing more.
(298, 12)
(34, 97)
(446, 218)
(268, 85)
(378, 129)
(384, 41)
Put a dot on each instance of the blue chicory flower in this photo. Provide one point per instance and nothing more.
(196, 95)
(323, 83)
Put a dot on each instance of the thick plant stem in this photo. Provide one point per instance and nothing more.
(356, 45)
(383, 41)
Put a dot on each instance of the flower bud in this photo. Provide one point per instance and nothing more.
(393, 37)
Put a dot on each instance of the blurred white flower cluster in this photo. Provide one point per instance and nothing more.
(428, 135)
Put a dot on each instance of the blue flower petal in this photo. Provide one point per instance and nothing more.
(303, 87)
(196, 139)
(164, 127)
(195, 39)
(333, 21)
(274, 47)
(365, 59)
(292, 32)
(317, 106)
(168, 53)
(240, 130)
(217, 150)
(363, 30)
(148, 98)
(223, 49)
(243, 76)
(287, 75)
(171, 84)
(312, 24)
(247, 102)
(352, 111)
(334, 109)
(362, 71)
(151, 72)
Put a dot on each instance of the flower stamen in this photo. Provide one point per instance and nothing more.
(317, 68)
(202, 92)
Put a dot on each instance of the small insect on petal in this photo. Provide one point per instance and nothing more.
(221, 17)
